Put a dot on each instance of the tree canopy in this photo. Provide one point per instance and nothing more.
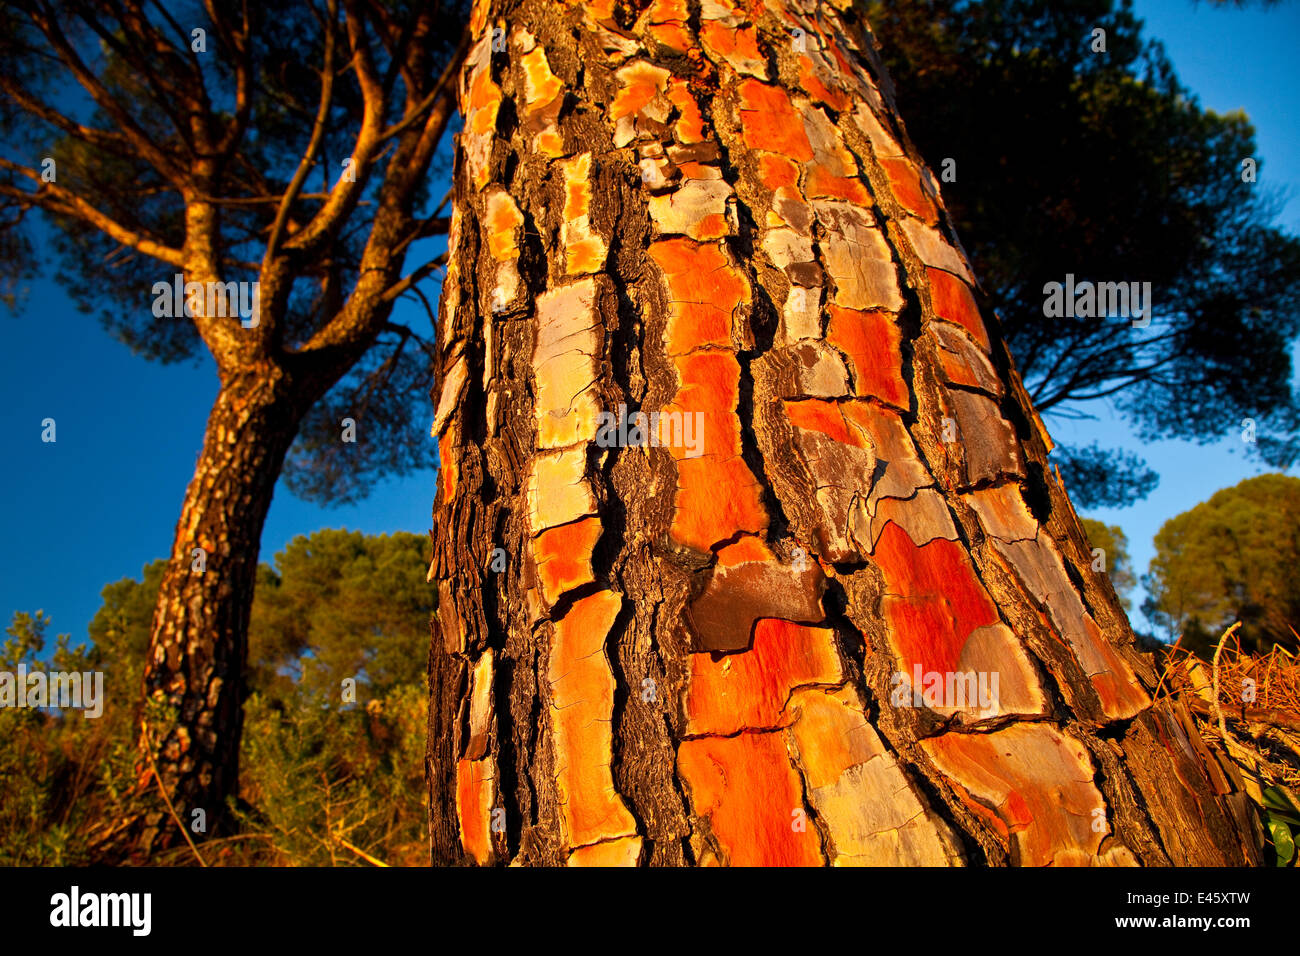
(273, 142)
(340, 604)
(333, 604)
(1235, 557)
(1101, 165)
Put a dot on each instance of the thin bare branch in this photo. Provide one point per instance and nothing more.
(54, 198)
(313, 145)
(413, 116)
(410, 280)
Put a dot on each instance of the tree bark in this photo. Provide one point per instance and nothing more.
(832, 606)
(193, 683)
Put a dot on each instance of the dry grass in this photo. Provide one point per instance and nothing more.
(1256, 711)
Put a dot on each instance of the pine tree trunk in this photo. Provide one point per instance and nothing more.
(830, 605)
(193, 685)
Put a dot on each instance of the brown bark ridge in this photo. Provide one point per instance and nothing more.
(829, 605)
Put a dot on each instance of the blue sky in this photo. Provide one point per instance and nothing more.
(104, 499)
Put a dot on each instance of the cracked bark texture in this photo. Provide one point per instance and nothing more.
(663, 647)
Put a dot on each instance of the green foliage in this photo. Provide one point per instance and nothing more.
(1235, 557)
(1105, 167)
(323, 782)
(341, 604)
(120, 632)
(1282, 817)
(59, 775)
(1111, 539)
(320, 778)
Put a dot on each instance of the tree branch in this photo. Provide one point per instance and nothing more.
(139, 138)
(55, 198)
(413, 116)
(413, 278)
(344, 195)
(313, 145)
(104, 139)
